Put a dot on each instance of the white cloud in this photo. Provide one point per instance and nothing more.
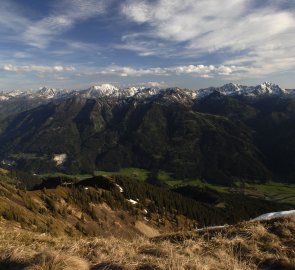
(183, 20)
(193, 70)
(18, 26)
(12, 22)
(22, 55)
(68, 13)
(154, 84)
(236, 30)
(161, 84)
(36, 68)
(144, 47)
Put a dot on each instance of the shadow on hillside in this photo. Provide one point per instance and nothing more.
(107, 266)
(279, 264)
(10, 265)
(111, 266)
(148, 267)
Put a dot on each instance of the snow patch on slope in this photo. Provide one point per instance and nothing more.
(275, 215)
(132, 201)
(59, 159)
(120, 188)
(4, 98)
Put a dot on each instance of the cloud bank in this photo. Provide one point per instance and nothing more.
(202, 71)
(36, 68)
(193, 70)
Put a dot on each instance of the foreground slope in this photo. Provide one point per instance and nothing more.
(245, 246)
(121, 206)
(118, 223)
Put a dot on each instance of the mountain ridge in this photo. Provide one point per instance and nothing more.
(219, 137)
(108, 90)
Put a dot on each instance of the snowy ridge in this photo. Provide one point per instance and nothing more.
(3, 97)
(173, 94)
(100, 91)
(42, 93)
(49, 93)
(16, 93)
(231, 89)
(269, 216)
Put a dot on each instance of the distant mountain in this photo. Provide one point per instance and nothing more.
(231, 89)
(111, 91)
(217, 134)
(43, 92)
(50, 93)
(17, 101)
(291, 92)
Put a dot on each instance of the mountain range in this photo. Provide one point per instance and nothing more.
(108, 90)
(217, 134)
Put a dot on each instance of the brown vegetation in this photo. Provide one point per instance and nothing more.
(252, 245)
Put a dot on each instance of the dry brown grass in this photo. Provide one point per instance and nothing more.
(247, 246)
(57, 261)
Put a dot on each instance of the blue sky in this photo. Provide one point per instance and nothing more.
(186, 43)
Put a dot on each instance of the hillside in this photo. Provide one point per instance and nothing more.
(114, 222)
(122, 206)
(245, 246)
(118, 222)
(219, 137)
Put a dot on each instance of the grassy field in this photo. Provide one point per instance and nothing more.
(280, 192)
(135, 173)
(73, 176)
(28, 156)
(172, 182)
(245, 246)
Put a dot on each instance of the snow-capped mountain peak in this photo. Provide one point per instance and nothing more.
(232, 87)
(106, 88)
(265, 88)
(15, 93)
(48, 93)
(3, 97)
(110, 91)
(103, 90)
(269, 88)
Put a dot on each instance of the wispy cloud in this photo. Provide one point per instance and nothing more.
(22, 55)
(192, 70)
(237, 29)
(125, 71)
(143, 45)
(40, 33)
(233, 39)
(12, 22)
(36, 68)
(64, 17)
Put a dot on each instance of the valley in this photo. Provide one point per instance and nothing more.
(218, 135)
(152, 169)
(274, 191)
(96, 225)
(147, 135)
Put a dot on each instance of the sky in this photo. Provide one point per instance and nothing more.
(186, 43)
